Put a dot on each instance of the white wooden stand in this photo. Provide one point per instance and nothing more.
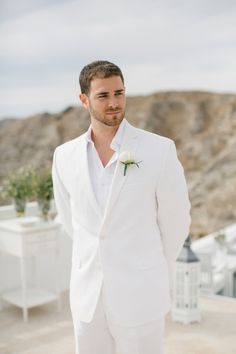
(26, 242)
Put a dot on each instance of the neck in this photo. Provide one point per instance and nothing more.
(102, 134)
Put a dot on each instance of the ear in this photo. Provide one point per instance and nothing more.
(84, 100)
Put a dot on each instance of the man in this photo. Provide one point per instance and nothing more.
(121, 195)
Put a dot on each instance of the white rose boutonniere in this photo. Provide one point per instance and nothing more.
(127, 158)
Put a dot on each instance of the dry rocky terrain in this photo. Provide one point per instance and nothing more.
(203, 126)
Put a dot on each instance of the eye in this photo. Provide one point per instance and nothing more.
(102, 96)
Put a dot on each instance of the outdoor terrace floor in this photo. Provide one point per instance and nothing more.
(50, 332)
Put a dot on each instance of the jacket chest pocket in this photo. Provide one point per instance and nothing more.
(136, 186)
(137, 193)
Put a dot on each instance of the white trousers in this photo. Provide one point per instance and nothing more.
(101, 336)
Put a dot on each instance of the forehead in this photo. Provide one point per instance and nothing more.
(108, 84)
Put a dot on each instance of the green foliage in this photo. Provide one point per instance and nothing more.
(42, 184)
(19, 184)
(29, 183)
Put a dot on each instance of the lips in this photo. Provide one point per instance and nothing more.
(113, 112)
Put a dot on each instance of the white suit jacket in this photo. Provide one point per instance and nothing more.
(132, 247)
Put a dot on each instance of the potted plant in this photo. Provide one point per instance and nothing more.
(18, 186)
(43, 190)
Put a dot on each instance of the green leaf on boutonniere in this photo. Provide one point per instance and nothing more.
(127, 158)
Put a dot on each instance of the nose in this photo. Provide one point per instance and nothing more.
(113, 103)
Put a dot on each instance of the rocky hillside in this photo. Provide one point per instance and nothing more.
(202, 124)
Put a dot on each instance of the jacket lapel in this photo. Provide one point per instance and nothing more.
(83, 170)
(129, 143)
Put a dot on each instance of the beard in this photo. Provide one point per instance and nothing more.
(107, 118)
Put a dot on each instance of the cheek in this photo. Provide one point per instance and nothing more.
(98, 105)
(94, 107)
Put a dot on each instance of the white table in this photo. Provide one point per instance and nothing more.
(25, 242)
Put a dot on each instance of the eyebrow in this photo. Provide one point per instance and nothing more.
(106, 93)
(121, 90)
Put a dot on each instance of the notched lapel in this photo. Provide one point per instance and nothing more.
(129, 143)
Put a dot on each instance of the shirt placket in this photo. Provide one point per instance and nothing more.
(106, 178)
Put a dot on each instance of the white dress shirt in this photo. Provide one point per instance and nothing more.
(101, 177)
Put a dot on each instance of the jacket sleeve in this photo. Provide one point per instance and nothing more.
(62, 198)
(173, 205)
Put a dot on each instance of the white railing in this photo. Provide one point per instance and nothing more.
(218, 263)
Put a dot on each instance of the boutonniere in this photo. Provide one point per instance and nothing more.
(127, 158)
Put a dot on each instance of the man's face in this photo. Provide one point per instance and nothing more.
(106, 100)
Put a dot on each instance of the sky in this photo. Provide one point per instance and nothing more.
(160, 45)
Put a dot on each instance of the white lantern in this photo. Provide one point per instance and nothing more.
(186, 283)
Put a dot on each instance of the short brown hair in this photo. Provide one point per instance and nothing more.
(97, 69)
